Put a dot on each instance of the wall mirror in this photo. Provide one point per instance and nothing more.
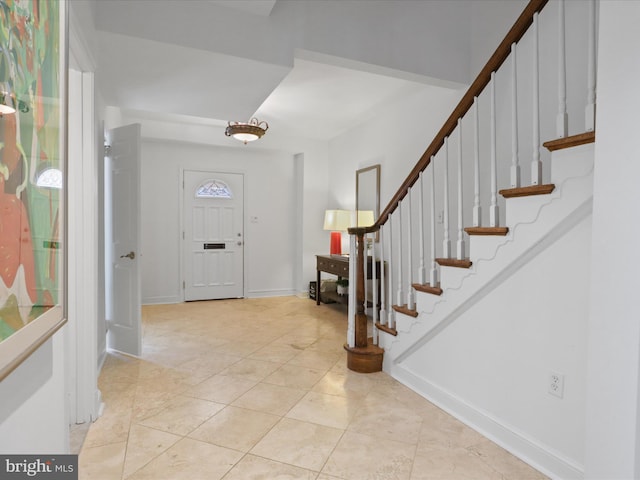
(368, 196)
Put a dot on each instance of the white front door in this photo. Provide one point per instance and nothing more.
(123, 287)
(213, 235)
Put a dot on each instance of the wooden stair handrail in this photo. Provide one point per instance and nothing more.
(517, 31)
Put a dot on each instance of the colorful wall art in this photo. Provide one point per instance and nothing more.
(32, 158)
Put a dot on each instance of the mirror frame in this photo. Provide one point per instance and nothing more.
(362, 182)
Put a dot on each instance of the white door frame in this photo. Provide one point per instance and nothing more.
(182, 222)
(81, 357)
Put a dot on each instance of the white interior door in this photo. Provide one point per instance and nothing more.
(213, 235)
(123, 287)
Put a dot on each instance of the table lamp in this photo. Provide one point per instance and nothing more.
(365, 218)
(337, 221)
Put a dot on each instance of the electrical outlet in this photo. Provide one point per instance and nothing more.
(556, 384)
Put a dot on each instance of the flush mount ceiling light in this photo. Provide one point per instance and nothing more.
(247, 132)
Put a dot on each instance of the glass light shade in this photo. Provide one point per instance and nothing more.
(7, 101)
(245, 137)
(246, 132)
(50, 178)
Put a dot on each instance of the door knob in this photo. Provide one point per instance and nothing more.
(130, 255)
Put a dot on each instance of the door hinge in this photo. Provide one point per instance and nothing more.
(183, 235)
(183, 284)
(107, 150)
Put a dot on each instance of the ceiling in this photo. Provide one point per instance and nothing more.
(320, 95)
(256, 7)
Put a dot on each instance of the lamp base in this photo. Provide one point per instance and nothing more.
(336, 243)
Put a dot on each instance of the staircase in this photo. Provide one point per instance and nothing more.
(533, 224)
(483, 288)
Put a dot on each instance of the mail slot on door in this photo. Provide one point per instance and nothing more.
(214, 246)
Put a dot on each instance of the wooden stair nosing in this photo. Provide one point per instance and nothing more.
(426, 288)
(454, 262)
(528, 191)
(497, 231)
(572, 141)
(389, 330)
(405, 310)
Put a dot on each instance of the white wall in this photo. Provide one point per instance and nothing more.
(269, 198)
(496, 358)
(272, 166)
(33, 417)
(395, 138)
(613, 432)
(490, 21)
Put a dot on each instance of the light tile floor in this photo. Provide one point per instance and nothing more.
(256, 389)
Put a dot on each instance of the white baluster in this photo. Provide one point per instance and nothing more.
(536, 164)
(422, 272)
(477, 210)
(493, 208)
(460, 250)
(410, 296)
(515, 166)
(374, 288)
(590, 110)
(375, 280)
(390, 317)
(433, 273)
(446, 243)
(366, 273)
(399, 295)
(383, 278)
(351, 311)
(562, 121)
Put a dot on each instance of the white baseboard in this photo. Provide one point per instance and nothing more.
(528, 450)
(284, 292)
(102, 356)
(161, 300)
(98, 405)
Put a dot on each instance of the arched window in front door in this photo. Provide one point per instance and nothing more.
(213, 189)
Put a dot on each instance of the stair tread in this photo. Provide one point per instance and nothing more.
(385, 328)
(427, 288)
(527, 191)
(572, 141)
(498, 231)
(454, 262)
(405, 310)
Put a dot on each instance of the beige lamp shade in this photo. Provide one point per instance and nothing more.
(365, 218)
(337, 220)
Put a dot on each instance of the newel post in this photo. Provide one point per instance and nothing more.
(361, 316)
(362, 355)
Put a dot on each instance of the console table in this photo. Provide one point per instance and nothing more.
(339, 265)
